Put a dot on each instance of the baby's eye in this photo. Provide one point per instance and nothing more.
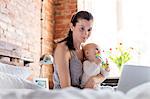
(97, 49)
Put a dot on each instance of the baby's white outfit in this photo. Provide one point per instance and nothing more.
(91, 69)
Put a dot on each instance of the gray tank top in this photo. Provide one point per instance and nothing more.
(76, 71)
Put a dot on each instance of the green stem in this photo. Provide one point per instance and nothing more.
(120, 69)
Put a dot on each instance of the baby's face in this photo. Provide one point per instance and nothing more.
(93, 53)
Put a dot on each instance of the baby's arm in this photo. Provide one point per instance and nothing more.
(86, 72)
(89, 70)
(104, 72)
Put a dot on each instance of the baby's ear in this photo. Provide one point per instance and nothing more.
(86, 53)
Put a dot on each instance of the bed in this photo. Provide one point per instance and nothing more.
(140, 92)
(15, 87)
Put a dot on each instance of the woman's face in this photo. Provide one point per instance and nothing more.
(82, 30)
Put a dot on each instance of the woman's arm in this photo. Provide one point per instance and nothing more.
(62, 57)
(94, 80)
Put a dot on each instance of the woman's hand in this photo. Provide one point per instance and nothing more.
(94, 81)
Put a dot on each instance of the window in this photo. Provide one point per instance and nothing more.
(125, 21)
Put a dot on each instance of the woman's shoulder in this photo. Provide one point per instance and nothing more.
(61, 53)
(61, 48)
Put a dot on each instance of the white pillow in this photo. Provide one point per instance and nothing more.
(8, 81)
(21, 72)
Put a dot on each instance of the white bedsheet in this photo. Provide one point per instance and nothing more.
(140, 92)
(21, 72)
(68, 93)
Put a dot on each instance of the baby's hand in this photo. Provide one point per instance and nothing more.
(105, 65)
(107, 69)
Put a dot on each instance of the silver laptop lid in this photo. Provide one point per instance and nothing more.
(133, 76)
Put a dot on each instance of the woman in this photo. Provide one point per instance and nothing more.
(68, 55)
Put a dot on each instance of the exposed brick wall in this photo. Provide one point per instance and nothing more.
(63, 12)
(21, 22)
(20, 25)
(47, 36)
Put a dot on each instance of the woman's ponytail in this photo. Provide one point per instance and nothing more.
(69, 40)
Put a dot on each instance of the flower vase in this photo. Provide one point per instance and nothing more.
(120, 68)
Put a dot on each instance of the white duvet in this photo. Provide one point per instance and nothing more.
(14, 87)
(140, 92)
(68, 93)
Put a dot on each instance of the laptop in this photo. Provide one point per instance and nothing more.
(132, 76)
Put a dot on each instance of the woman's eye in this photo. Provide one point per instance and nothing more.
(81, 29)
(89, 30)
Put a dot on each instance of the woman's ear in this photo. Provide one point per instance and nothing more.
(71, 26)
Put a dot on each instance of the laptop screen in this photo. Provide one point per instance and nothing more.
(133, 76)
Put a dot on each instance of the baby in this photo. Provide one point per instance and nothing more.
(93, 63)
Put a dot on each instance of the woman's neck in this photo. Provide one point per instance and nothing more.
(77, 45)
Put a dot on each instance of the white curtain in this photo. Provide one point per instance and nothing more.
(136, 30)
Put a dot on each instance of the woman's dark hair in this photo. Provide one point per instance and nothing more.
(79, 15)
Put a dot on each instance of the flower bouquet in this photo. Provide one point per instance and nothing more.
(120, 55)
